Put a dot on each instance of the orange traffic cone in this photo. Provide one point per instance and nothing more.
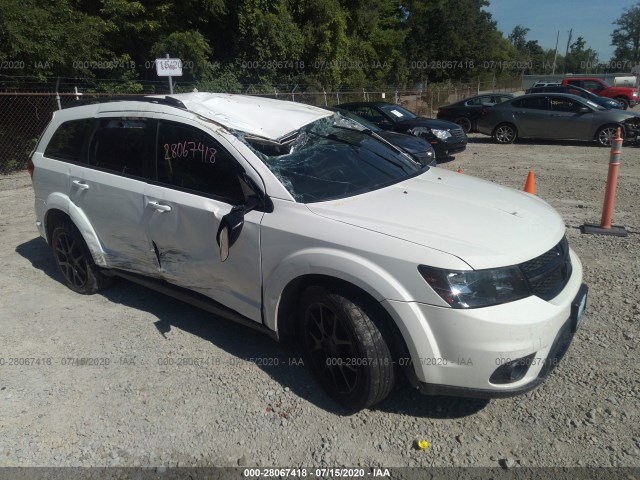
(530, 184)
(459, 170)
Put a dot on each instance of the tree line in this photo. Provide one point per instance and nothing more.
(348, 44)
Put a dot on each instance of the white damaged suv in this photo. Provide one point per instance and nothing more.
(301, 223)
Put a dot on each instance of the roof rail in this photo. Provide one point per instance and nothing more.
(167, 100)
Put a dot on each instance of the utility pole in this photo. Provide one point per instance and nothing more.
(555, 55)
(566, 52)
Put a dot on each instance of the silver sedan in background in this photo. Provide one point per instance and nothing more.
(556, 116)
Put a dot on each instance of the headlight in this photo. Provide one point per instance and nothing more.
(441, 134)
(477, 288)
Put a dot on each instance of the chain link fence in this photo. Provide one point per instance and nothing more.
(24, 116)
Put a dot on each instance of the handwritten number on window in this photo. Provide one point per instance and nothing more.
(188, 149)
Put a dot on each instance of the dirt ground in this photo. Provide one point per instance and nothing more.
(171, 385)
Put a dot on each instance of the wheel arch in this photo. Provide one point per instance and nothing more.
(503, 124)
(61, 208)
(509, 123)
(288, 304)
(606, 125)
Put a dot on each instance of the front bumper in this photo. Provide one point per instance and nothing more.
(456, 352)
(444, 149)
(556, 353)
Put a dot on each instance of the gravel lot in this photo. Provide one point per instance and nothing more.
(147, 404)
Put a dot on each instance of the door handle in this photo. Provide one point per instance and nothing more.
(556, 115)
(159, 207)
(80, 184)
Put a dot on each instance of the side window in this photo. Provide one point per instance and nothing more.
(190, 159)
(577, 83)
(593, 85)
(119, 145)
(478, 101)
(68, 142)
(559, 104)
(370, 114)
(536, 103)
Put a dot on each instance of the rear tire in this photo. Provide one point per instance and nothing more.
(344, 348)
(74, 261)
(505, 133)
(464, 122)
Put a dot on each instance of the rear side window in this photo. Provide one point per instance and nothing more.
(68, 142)
(119, 145)
(190, 159)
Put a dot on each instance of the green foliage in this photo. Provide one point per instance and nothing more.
(350, 44)
(267, 38)
(457, 35)
(626, 38)
(46, 38)
(580, 59)
(518, 36)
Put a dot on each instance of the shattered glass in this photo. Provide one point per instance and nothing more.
(334, 157)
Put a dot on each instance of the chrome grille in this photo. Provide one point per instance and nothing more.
(457, 134)
(549, 273)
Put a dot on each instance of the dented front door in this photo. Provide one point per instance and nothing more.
(196, 186)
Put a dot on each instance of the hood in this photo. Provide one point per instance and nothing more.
(484, 224)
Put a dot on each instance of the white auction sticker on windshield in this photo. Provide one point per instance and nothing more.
(397, 113)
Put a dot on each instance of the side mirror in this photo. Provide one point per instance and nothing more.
(584, 110)
(229, 230)
(384, 124)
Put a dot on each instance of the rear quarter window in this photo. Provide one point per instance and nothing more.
(69, 140)
(119, 145)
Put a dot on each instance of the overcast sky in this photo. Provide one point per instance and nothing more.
(590, 19)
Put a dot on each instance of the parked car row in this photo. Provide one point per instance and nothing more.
(547, 111)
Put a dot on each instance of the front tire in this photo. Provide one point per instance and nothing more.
(606, 133)
(74, 261)
(505, 133)
(344, 348)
